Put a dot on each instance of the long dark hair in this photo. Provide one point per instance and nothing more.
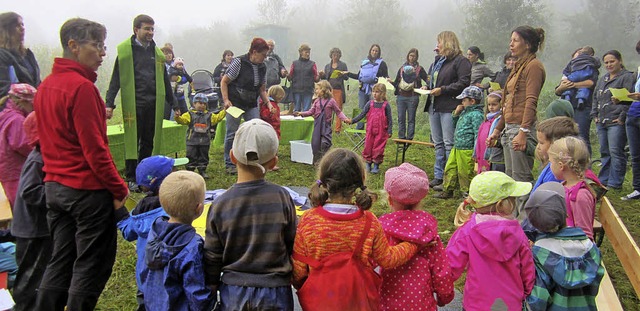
(533, 36)
(371, 48)
(476, 51)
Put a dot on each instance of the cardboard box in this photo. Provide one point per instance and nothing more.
(301, 152)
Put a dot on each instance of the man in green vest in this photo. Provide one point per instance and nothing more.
(140, 74)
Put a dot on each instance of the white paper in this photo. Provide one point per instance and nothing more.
(422, 92)
(6, 301)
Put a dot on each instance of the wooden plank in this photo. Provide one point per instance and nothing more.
(416, 142)
(623, 244)
(607, 299)
(5, 207)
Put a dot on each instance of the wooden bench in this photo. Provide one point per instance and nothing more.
(405, 143)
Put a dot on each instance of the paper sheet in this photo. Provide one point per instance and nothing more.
(386, 83)
(621, 94)
(335, 74)
(235, 111)
(6, 301)
(422, 92)
(495, 86)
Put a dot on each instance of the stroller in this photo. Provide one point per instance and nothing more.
(203, 83)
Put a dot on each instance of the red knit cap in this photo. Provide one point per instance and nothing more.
(23, 91)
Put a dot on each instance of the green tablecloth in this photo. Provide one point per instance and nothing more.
(173, 136)
(289, 130)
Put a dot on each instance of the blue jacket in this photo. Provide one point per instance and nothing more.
(136, 227)
(174, 274)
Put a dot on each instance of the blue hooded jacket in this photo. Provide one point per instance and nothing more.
(173, 278)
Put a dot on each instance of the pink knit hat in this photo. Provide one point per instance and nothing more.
(178, 60)
(406, 184)
(23, 91)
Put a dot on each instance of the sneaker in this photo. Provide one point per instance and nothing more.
(435, 182)
(635, 195)
(231, 170)
(438, 188)
(444, 195)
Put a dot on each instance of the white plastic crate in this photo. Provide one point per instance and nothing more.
(301, 152)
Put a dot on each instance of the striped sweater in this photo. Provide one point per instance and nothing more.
(568, 272)
(321, 233)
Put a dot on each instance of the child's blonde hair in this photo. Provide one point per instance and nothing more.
(572, 152)
(276, 92)
(341, 173)
(380, 87)
(465, 209)
(325, 89)
(180, 194)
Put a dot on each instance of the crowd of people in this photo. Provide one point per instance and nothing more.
(519, 239)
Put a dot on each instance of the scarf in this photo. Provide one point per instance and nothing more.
(435, 70)
(491, 115)
(515, 74)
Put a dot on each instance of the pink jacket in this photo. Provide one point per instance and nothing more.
(330, 108)
(14, 146)
(499, 261)
(481, 146)
(412, 286)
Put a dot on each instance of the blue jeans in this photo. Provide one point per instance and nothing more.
(363, 99)
(442, 130)
(614, 161)
(302, 101)
(582, 117)
(232, 127)
(407, 106)
(633, 133)
(255, 298)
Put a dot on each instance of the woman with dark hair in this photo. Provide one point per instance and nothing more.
(219, 71)
(479, 69)
(336, 80)
(17, 63)
(516, 128)
(449, 74)
(409, 77)
(610, 115)
(501, 76)
(303, 75)
(633, 132)
(371, 69)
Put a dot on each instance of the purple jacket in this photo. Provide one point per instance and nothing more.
(500, 265)
(330, 108)
(14, 147)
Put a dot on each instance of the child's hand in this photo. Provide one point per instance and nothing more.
(458, 109)
(296, 113)
(390, 135)
(348, 121)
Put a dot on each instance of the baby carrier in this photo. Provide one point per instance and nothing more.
(369, 74)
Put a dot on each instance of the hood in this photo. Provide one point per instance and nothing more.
(499, 240)
(417, 227)
(165, 241)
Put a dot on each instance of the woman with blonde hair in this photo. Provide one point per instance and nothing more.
(449, 74)
(17, 63)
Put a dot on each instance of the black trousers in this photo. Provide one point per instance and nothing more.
(83, 230)
(198, 157)
(32, 256)
(146, 125)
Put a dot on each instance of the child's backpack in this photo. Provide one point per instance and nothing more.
(408, 77)
(340, 281)
(369, 71)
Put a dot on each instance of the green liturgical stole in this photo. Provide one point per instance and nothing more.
(128, 98)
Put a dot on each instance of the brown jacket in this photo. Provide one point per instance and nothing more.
(520, 107)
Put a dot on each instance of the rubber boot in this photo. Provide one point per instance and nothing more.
(375, 169)
(203, 172)
(368, 166)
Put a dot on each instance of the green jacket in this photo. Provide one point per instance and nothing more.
(467, 124)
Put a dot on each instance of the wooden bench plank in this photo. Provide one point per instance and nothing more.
(623, 244)
(607, 298)
(404, 143)
(5, 207)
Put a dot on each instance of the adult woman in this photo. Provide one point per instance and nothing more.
(501, 76)
(168, 55)
(610, 115)
(479, 69)
(371, 69)
(336, 80)
(449, 74)
(302, 75)
(409, 76)
(227, 56)
(17, 63)
(519, 102)
(633, 132)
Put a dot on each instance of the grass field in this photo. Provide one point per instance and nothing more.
(120, 291)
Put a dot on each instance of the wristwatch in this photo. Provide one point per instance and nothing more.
(524, 130)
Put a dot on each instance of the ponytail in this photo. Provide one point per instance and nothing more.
(365, 198)
(318, 194)
(541, 34)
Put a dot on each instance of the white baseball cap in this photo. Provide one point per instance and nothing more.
(255, 143)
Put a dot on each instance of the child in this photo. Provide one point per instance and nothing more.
(412, 286)
(270, 112)
(322, 111)
(379, 127)
(251, 227)
(29, 224)
(460, 165)
(149, 175)
(14, 148)
(174, 274)
(582, 67)
(179, 77)
(492, 246)
(341, 227)
(200, 122)
(547, 132)
(568, 264)
(569, 159)
(481, 151)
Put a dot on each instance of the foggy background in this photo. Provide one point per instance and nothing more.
(201, 30)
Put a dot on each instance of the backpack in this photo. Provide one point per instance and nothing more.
(408, 83)
(340, 281)
(369, 71)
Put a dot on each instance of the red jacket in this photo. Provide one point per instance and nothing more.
(73, 131)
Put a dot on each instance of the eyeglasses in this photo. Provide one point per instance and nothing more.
(98, 45)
